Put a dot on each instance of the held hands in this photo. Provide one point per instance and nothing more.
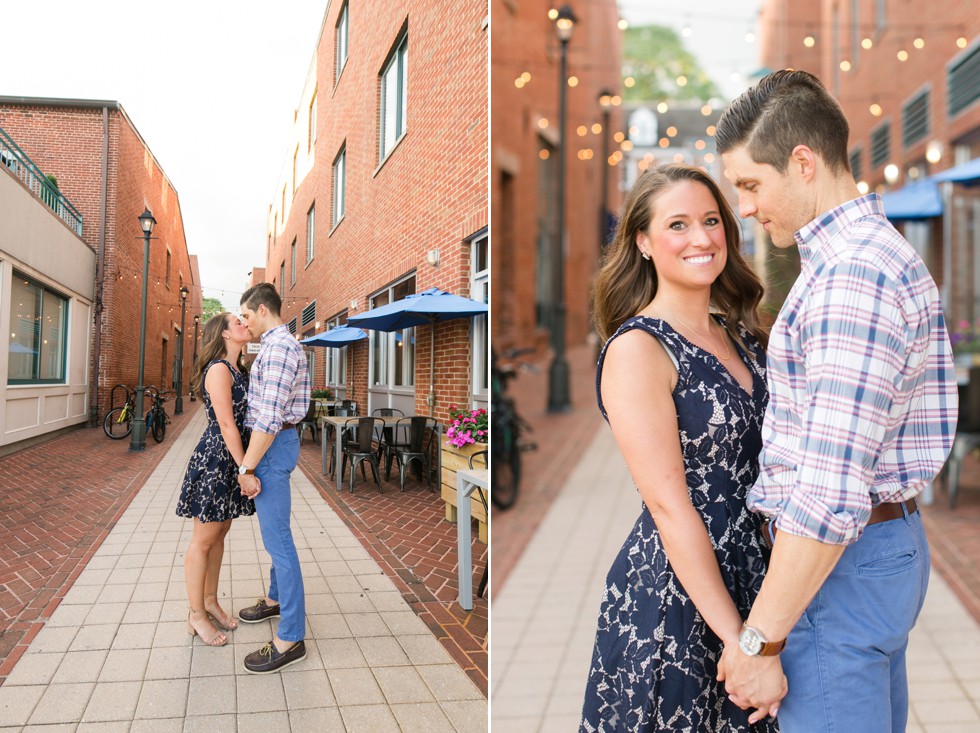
(752, 682)
(251, 486)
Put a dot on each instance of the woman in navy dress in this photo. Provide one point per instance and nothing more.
(683, 389)
(210, 493)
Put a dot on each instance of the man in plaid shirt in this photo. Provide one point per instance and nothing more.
(862, 414)
(278, 399)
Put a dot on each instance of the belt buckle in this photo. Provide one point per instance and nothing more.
(767, 540)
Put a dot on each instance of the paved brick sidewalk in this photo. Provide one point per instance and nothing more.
(561, 439)
(407, 534)
(115, 654)
(59, 499)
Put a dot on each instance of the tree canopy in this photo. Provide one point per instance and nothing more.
(210, 307)
(655, 57)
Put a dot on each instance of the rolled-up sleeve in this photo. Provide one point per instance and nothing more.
(853, 335)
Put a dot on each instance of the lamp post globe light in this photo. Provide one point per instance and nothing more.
(179, 403)
(197, 321)
(558, 377)
(137, 439)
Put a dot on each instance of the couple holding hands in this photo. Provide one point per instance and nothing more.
(779, 561)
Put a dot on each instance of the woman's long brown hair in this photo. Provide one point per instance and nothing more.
(626, 282)
(212, 347)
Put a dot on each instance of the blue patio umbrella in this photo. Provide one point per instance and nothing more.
(420, 309)
(336, 338)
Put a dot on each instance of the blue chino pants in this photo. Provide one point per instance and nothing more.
(845, 658)
(273, 505)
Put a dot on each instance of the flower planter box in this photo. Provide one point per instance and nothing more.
(454, 459)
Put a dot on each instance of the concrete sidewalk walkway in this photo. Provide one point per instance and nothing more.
(544, 618)
(115, 655)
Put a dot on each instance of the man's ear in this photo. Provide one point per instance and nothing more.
(803, 161)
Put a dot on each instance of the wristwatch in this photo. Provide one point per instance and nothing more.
(752, 642)
(244, 470)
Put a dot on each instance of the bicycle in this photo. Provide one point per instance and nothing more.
(118, 422)
(157, 418)
(506, 429)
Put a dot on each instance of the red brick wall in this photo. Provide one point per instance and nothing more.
(430, 193)
(67, 141)
(524, 41)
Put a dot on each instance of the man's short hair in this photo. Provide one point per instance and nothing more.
(262, 294)
(785, 109)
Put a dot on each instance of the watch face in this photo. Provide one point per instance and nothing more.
(750, 642)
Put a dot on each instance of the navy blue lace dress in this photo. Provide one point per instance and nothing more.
(210, 491)
(655, 659)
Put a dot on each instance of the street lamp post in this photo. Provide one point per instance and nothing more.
(558, 392)
(197, 321)
(606, 103)
(137, 439)
(179, 402)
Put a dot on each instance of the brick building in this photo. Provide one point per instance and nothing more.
(908, 78)
(47, 277)
(383, 193)
(525, 69)
(106, 169)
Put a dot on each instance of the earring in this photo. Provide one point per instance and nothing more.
(644, 255)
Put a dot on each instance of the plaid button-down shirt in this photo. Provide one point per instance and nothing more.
(863, 396)
(278, 383)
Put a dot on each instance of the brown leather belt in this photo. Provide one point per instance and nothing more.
(880, 513)
(287, 425)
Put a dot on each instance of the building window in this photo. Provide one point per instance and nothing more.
(309, 314)
(855, 160)
(282, 279)
(881, 142)
(292, 264)
(394, 98)
(337, 358)
(167, 276)
(392, 356)
(38, 333)
(915, 119)
(311, 137)
(283, 204)
(340, 42)
(295, 156)
(339, 184)
(480, 290)
(310, 230)
(963, 82)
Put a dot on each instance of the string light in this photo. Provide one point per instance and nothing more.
(866, 44)
(902, 55)
(919, 43)
(845, 65)
(809, 41)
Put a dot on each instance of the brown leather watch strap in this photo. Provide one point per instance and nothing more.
(772, 648)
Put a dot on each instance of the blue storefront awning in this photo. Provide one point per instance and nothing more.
(915, 201)
(967, 174)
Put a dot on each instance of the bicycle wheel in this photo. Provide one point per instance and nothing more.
(505, 470)
(117, 426)
(159, 426)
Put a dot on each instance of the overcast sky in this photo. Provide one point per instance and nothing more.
(210, 85)
(717, 34)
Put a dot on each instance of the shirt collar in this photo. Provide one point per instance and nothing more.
(275, 331)
(815, 236)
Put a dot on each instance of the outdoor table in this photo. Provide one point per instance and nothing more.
(467, 481)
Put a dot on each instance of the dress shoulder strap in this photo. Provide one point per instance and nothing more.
(659, 330)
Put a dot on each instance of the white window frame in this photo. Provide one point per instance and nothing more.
(311, 137)
(310, 232)
(340, 185)
(341, 38)
(383, 345)
(337, 358)
(394, 112)
(480, 290)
